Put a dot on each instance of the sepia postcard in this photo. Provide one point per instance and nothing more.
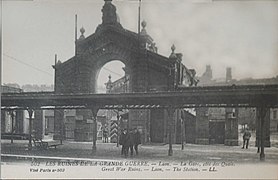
(139, 89)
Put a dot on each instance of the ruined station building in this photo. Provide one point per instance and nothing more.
(145, 69)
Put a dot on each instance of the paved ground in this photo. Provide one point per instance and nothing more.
(147, 152)
(195, 161)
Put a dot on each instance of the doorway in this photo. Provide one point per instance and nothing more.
(216, 132)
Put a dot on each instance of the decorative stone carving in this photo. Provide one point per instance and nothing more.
(109, 16)
(147, 40)
(82, 31)
(173, 54)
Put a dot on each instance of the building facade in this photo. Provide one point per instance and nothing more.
(13, 121)
(224, 125)
(145, 71)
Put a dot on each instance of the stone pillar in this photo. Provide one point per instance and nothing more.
(262, 141)
(168, 126)
(171, 129)
(39, 124)
(202, 126)
(231, 127)
(183, 139)
(19, 119)
(148, 126)
(179, 129)
(3, 121)
(58, 120)
(12, 114)
(140, 118)
(266, 128)
(30, 113)
(119, 127)
(94, 112)
(84, 129)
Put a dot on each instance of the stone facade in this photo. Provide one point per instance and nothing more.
(186, 127)
(19, 120)
(217, 126)
(274, 120)
(202, 126)
(266, 127)
(208, 118)
(231, 126)
(145, 70)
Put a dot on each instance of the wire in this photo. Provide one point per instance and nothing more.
(38, 69)
(112, 71)
(26, 64)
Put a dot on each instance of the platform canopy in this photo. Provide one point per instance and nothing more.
(213, 96)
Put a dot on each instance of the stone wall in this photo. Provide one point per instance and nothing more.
(202, 126)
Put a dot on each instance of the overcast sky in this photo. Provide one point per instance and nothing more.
(237, 34)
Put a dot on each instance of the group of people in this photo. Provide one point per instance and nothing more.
(130, 141)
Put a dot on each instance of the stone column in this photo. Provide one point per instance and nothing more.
(171, 129)
(165, 126)
(202, 126)
(94, 112)
(140, 118)
(147, 126)
(231, 124)
(266, 128)
(12, 114)
(119, 127)
(58, 120)
(39, 124)
(30, 113)
(3, 121)
(182, 127)
(262, 140)
(178, 128)
(19, 121)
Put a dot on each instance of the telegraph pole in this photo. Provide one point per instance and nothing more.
(75, 38)
(139, 17)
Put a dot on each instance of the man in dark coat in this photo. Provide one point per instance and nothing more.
(136, 140)
(130, 141)
(105, 133)
(121, 140)
(246, 138)
(124, 141)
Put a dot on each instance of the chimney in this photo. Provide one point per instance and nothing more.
(208, 72)
(228, 74)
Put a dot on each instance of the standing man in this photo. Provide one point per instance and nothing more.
(136, 139)
(105, 133)
(121, 139)
(124, 142)
(246, 138)
(131, 141)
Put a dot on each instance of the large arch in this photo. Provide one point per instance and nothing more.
(111, 71)
(109, 55)
(147, 70)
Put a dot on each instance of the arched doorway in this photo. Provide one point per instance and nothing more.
(112, 71)
(111, 78)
